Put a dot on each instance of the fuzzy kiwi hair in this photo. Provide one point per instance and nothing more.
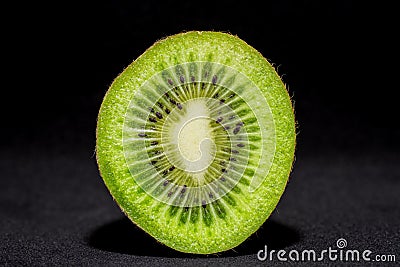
(204, 229)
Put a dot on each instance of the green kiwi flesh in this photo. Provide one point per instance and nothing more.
(205, 89)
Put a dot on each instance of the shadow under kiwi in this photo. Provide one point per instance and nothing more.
(122, 236)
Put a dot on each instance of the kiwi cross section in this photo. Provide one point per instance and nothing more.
(191, 134)
(195, 141)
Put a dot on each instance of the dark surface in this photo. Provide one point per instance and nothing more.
(54, 207)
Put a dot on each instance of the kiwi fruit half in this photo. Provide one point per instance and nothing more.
(196, 140)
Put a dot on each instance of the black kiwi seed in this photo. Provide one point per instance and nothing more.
(210, 195)
(142, 135)
(236, 130)
(179, 105)
(192, 78)
(235, 152)
(214, 79)
(153, 143)
(166, 182)
(171, 168)
(183, 189)
(170, 82)
(160, 105)
(159, 115)
(182, 79)
(167, 111)
(240, 145)
(172, 101)
(152, 119)
(219, 120)
(203, 204)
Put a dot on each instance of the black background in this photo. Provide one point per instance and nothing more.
(59, 60)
